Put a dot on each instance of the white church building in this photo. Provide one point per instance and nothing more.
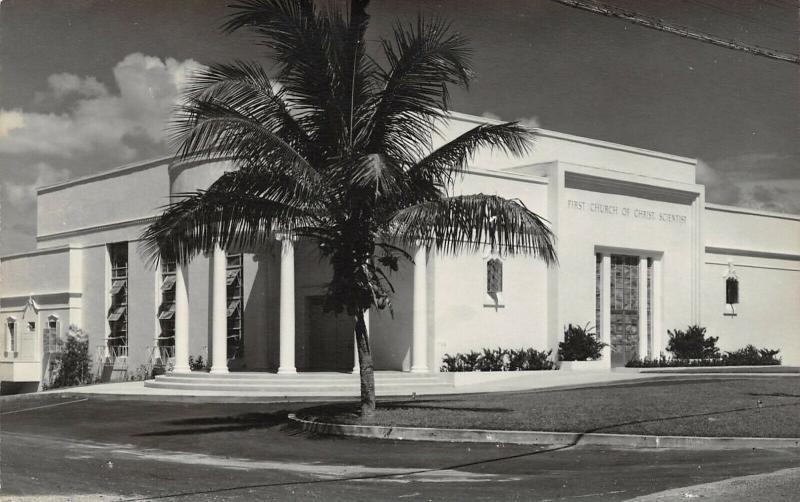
(640, 251)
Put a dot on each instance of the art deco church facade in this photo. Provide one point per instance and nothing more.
(640, 252)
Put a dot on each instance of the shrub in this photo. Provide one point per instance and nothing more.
(198, 364)
(71, 366)
(692, 344)
(747, 356)
(580, 344)
(752, 356)
(498, 360)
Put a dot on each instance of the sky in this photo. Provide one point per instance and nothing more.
(88, 85)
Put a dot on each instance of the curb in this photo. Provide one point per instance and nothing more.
(540, 437)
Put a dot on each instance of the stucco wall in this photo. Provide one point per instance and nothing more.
(739, 228)
(767, 314)
(121, 195)
(464, 317)
(35, 273)
(764, 250)
(550, 146)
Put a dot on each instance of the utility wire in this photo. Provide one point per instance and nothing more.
(660, 25)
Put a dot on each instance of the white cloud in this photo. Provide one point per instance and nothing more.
(719, 188)
(82, 126)
(149, 88)
(10, 120)
(65, 84)
(22, 194)
(532, 122)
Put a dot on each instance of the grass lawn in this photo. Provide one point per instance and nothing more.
(697, 407)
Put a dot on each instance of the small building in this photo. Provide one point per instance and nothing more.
(640, 252)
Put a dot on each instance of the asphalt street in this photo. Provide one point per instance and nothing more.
(88, 449)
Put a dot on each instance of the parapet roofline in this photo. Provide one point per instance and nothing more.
(463, 117)
(755, 212)
(108, 173)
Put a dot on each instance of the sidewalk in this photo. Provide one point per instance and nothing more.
(454, 383)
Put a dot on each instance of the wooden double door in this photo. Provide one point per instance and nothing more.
(330, 338)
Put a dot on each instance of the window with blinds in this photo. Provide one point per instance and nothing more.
(233, 280)
(118, 312)
(166, 310)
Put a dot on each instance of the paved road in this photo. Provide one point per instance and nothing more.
(125, 450)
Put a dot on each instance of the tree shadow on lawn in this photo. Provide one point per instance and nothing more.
(206, 425)
(418, 404)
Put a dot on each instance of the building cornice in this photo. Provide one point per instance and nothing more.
(35, 252)
(463, 117)
(753, 253)
(602, 184)
(96, 228)
(525, 178)
(750, 211)
(111, 173)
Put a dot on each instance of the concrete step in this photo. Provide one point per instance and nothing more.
(297, 390)
(288, 383)
(387, 383)
(307, 376)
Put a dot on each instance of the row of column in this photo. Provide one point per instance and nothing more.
(219, 328)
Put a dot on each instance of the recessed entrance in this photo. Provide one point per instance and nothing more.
(624, 305)
(330, 338)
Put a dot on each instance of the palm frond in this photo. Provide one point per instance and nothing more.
(442, 165)
(245, 87)
(211, 129)
(423, 60)
(299, 40)
(471, 222)
(239, 211)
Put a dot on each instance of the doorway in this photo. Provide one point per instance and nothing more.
(624, 303)
(330, 338)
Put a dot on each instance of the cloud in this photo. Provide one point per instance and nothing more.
(10, 120)
(719, 188)
(66, 84)
(80, 125)
(532, 122)
(22, 194)
(779, 195)
(148, 88)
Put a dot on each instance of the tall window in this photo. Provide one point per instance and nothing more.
(11, 336)
(50, 335)
(118, 313)
(598, 270)
(166, 311)
(494, 276)
(233, 279)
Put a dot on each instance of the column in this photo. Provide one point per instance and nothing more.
(287, 305)
(658, 336)
(643, 307)
(219, 317)
(356, 366)
(419, 344)
(181, 319)
(605, 307)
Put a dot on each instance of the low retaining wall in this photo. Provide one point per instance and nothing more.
(539, 437)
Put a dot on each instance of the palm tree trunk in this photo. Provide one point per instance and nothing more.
(366, 368)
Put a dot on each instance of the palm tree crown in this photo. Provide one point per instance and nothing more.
(336, 147)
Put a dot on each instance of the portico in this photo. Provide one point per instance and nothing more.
(287, 356)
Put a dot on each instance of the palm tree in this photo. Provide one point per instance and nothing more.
(336, 149)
